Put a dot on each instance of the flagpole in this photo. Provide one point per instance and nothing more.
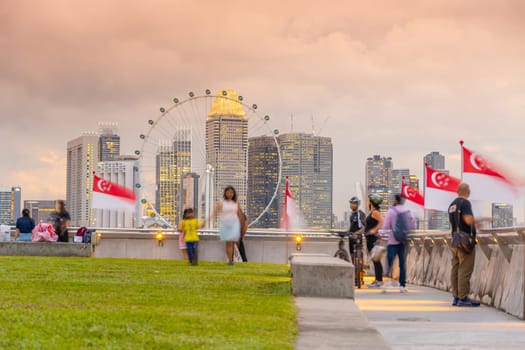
(461, 142)
(285, 216)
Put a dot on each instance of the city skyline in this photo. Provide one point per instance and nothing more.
(420, 78)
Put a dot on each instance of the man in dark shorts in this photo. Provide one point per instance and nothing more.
(460, 214)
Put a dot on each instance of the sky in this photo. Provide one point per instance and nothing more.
(395, 78)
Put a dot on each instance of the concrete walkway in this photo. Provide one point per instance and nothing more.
(326, 323)
(423, 319)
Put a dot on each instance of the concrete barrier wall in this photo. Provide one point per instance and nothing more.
(267, 249)
(498, 277)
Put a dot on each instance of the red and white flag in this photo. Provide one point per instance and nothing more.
(440, 189)
(291, 218)
(109, 195)
(486, 182)
(414, 201)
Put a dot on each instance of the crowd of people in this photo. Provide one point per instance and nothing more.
(55, 228)
(373, 226)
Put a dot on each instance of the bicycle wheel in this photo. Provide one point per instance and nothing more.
(358, 270)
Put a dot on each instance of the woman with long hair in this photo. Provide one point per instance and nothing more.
(373, 223)
(229, 212)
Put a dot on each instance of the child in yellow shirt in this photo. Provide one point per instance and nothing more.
(189, 226)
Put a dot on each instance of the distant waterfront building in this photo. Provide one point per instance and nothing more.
(437, 220)
(190, 193)
(379, 177)
(397, 178)
(82, 159)
(109, 142)
(123, 171)
(307, 160)
(173, 160)
(10, 205)
(502, 215)
(227, 145)
(40, 210)
(263, 176)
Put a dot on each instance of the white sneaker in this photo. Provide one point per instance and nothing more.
(403, 289)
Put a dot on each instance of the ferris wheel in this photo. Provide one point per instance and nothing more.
(199, 144)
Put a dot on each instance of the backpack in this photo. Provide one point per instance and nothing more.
(401, 228)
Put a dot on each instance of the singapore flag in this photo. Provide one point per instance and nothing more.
(414, 201)
(109, 195)
(486, 183)
(440, 189)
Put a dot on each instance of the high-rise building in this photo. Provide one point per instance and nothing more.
(82, 159)
(10, 205)
(123, 171)
(437, 220)
(307, 160)
(413, 181)
(263, 177)
(108, 142)
(397, 179)
(40, 210)
(323, 182)
(378, 178)
(190, 193)
(435, 160)
(173, 161)
(227, 145)
(502, 215)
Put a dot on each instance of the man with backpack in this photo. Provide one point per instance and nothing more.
(399, 222)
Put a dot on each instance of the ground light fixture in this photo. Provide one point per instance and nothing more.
(98, 237)
(159, 236)
(298, 241)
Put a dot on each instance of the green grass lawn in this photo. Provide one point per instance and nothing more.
(83, 303)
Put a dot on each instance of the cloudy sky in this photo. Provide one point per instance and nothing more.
(396, 78)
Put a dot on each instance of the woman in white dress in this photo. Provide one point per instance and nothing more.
(230, 226)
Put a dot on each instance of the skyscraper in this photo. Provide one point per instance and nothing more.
(10, 205)
(82, 158)
(379, 177)
(322, 215)
(108, 143)
(263, 176)
(227, 145)
(435, 160)
(396, 181)
(307, 160)
(173, 160)
(123, 171)
(437, 220)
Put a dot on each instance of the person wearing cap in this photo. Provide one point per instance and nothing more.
(357, 225)
(373, 223)
(24, 226)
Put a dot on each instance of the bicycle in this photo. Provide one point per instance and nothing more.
(357, 257)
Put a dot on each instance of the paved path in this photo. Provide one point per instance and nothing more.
(423, 319)
(326, 323)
